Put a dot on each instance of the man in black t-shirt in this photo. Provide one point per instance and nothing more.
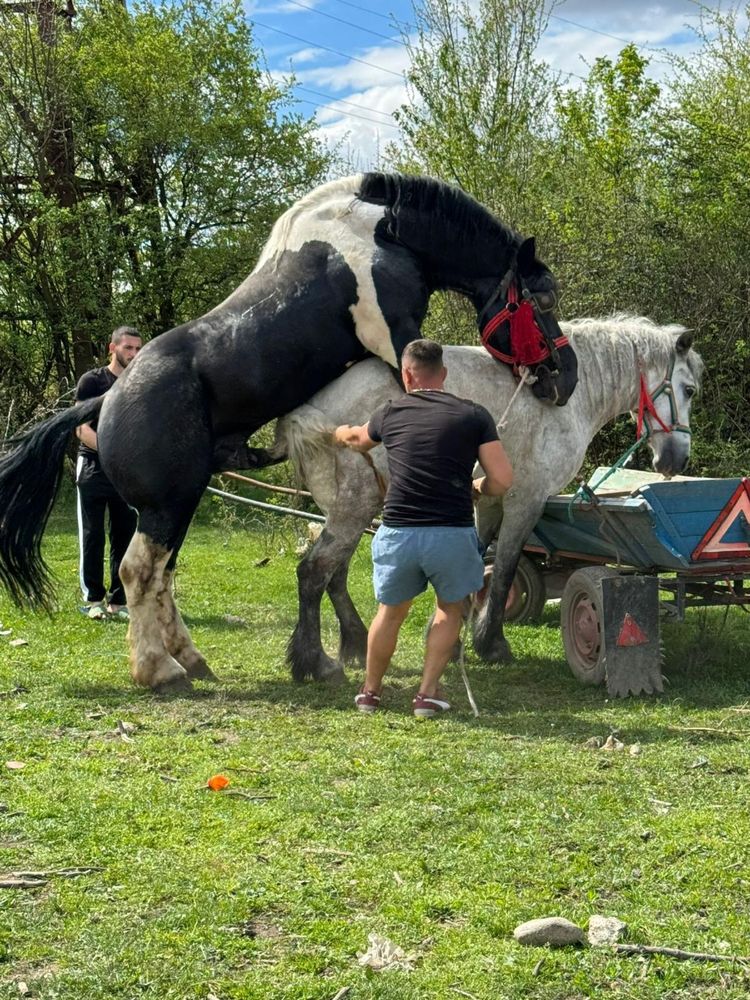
(97, 496)
(432, 440)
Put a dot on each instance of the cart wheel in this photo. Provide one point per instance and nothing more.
(582, 623)
(527, 594)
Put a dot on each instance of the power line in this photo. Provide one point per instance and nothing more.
(340, 100)
(325, 48)
(347, 114)
(341, 20)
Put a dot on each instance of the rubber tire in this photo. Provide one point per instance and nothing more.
(531, 595)
(580, 613)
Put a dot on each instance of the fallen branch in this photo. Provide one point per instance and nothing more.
(22, 883)
(54, 873)
(698, 956)
(289, 490)
(343, 992)
(707, 729)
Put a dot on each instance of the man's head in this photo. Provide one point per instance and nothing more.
(125, 344)
(422, 365)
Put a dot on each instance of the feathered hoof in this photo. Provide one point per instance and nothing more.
(200, 671)
(177, 685)
(492, 648)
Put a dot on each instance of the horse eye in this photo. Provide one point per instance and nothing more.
(545, 300)
(689, 391)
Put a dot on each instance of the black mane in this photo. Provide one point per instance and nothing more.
(425, 215)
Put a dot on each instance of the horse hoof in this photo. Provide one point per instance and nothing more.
(177, 685)
(330, 672)
(492, 649)
(200, 671)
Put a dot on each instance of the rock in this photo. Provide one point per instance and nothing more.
(612, 743)
(635, 750)
(556, 931)
(605, 930)
(594, 743)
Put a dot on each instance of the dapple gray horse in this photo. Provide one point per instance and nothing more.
(624, 362)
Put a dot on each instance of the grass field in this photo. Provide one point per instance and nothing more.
(441, 836)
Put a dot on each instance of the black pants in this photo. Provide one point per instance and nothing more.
(96, 496)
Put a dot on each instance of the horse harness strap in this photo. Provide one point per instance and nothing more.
(647, 408)
(528, 342)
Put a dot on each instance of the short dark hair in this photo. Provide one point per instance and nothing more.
(124, 331)
(424, 354)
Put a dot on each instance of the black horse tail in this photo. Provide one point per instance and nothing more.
(30, 477)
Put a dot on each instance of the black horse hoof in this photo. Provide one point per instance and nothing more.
(491, 648)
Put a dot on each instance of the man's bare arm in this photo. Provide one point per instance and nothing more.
(87, 435)
(498, 477)
(355, 438)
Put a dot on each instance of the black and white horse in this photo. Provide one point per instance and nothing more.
(346, 271)
(625, 362)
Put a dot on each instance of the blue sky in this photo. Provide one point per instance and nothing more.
(348, 56)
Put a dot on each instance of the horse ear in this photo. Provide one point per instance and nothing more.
(526, 255)
(684, 342)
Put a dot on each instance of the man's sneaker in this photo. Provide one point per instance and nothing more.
(367, 701)
(95, 611)
(425, 708)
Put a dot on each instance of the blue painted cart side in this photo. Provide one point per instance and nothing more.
(659, 527)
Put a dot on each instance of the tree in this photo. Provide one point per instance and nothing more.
(145, 155)
(478, 106)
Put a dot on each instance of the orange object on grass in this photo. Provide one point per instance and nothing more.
(217, 782)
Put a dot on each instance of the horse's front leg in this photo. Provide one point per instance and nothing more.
(520, 514)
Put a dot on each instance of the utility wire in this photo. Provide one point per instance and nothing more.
(325, 48)
(346, 114)
(340, 100)
(341, 20)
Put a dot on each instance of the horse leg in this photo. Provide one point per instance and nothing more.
(175, 634)
(142, 572)
(353, 643)
(520, 514)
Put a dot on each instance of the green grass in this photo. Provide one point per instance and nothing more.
(441, 836)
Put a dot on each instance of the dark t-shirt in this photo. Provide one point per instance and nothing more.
(92, 384)
(432, 440)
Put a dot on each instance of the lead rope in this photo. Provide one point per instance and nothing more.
(462, 653)
(526, 378)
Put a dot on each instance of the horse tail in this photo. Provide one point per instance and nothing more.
(30, 475)
(304, 436)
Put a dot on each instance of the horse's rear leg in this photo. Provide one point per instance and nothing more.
(176, 636)
(144, 574)
(353, 643)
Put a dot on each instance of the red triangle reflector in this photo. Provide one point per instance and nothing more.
(631, 634)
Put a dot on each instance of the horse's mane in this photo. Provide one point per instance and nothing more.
(623, 333)
(422, 213)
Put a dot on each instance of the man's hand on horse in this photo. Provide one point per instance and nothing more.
(356, 438)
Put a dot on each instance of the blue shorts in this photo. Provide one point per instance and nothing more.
(405, 560)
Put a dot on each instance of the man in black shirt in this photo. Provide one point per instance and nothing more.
(433, 440)
(96, 495)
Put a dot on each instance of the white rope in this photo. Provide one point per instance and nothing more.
(526, 379)
(462, 654)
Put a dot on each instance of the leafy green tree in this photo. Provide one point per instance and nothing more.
(145, 156)
(478, 105)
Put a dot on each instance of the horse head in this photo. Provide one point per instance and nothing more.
(664, 404)
(519, 327)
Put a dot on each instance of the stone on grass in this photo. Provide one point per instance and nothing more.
(605, 930)
(556, 931)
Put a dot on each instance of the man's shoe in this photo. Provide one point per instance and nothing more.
(94, 611)
(425, 707)
(367, 701)
(118, 613)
